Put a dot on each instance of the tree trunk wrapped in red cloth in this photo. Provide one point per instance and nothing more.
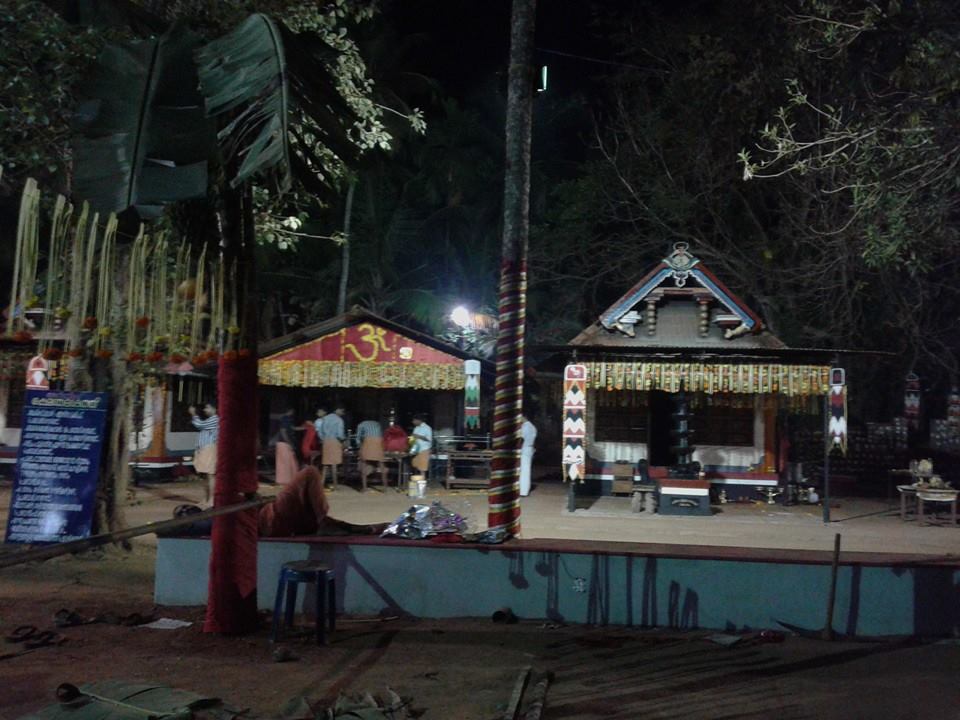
(232, 593)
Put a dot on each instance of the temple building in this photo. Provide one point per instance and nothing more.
(376, 368)
(681, 330)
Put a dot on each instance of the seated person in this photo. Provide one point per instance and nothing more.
(301, 508)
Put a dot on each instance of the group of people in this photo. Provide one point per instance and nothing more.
(325, 438)
(324, 441)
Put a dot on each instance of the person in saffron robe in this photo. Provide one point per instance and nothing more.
(370, 439)
(205, 454)
(285, 457)
(301, 508)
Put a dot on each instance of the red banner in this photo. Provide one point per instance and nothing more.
(366, 342)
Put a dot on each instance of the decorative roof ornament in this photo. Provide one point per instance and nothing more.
(680, 263)
(692, 281)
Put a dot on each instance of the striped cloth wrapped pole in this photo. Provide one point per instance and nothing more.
(503, 512)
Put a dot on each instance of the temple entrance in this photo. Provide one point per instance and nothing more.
(661, 422)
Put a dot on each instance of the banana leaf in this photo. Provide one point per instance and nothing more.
(244, 73)
(266, 82)
(143, 138)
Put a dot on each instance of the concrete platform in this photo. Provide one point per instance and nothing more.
(867, 525)
(744, 567)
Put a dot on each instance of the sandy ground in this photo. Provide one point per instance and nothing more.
(866, 524)
(461, 670)
(465, 669)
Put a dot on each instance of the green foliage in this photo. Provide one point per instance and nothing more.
(424, 236)
(143, 139)
(244, 73)
(41, 60)
(848, 242)
(880, 131)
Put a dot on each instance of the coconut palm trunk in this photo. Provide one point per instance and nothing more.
(504, 497)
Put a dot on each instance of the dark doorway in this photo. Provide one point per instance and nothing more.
(661, 410)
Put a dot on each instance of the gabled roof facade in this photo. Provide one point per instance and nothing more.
(296, 341)
(679, 304)
(361, 349)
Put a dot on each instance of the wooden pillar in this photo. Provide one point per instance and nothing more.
(769, 432)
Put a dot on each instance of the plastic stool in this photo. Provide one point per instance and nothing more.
(305, 571)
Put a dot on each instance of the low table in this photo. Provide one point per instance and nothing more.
(481, 458)
(403, 468)
(907, 492)
(937, 496)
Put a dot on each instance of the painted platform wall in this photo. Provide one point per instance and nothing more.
(594, 588)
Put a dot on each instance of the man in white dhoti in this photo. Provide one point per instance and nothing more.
(528, 432)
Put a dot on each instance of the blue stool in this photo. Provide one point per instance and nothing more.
(305, 571)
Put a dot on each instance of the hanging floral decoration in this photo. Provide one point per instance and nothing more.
(326, 373)
(710, 378)
(147, 303)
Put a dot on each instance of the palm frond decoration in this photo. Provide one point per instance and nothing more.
(25, 257)
(245, 72)
(143, 137)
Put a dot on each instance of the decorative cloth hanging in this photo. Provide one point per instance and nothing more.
(740, 378)
(953, 410)
(38, 371)
(837, 428)
(471, 394)
(574, 423)
(911, 400)
(328, 373)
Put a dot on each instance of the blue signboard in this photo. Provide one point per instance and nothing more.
(57, 466)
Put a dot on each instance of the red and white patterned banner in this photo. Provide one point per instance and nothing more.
(837, 435)
(574, 422)
(911, 400)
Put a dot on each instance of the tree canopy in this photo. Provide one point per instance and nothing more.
(849, 239)
(807, 149)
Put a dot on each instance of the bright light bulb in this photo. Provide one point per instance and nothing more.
(461, 316)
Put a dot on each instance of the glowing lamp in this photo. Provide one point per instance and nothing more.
(461, 317)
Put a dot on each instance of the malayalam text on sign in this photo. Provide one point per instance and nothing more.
(57, 466)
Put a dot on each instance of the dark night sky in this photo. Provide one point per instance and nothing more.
(467, 41)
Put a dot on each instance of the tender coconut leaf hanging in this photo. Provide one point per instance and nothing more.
(245, 72)
(144, 138)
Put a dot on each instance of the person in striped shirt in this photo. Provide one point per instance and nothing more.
(370, 440)
(332, 437)
(205, 455)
